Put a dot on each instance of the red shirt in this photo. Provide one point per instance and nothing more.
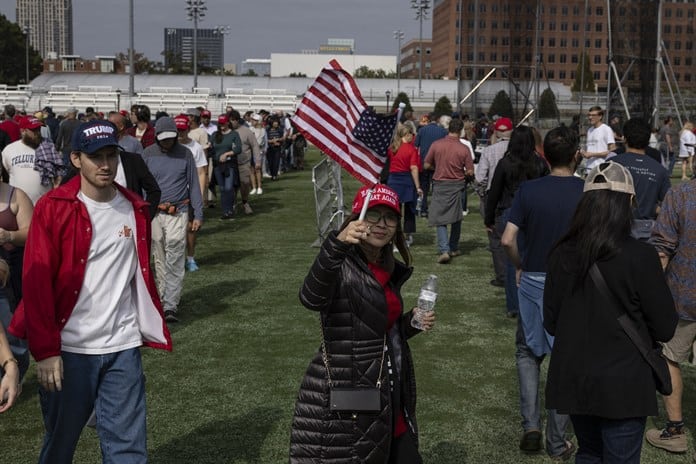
(148, 136)
(405, 157)
(450, 157)
(12, 129)
(393, 314)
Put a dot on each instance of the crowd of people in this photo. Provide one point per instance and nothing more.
(561, 217)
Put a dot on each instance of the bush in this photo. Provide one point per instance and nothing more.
(502, 105)
(443, 106)
(547, 104)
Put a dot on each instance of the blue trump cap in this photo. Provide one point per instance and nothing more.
(94, 135)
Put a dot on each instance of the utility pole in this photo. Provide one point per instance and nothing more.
(399, 36)
(422, 7)
(196, 11)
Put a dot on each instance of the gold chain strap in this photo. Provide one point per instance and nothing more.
(325, 357)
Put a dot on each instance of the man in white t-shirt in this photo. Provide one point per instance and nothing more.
(182, 127)
(18, 159)
(600, 139)
(90, 304)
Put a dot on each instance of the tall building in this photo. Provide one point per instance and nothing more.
(178, 46)
(50, 25)
(470, 37)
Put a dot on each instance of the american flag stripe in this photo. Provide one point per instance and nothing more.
(326, 116)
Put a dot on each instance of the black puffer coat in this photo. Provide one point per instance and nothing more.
(354, 314)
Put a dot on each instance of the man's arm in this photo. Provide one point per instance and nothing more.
(509, 242)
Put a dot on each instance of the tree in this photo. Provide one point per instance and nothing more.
(297, 74)
(13, 53)
(140, 62)
(587, 84)
(250, 72)
(502, 105)
(366, 73)
(402, 98)
(174, 63)
(547, 104)
(443, 106)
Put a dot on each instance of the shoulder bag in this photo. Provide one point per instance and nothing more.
(352, 399)
(653, 356)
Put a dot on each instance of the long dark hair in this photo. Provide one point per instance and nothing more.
(601, 222)
(388, 249)
(521, 154)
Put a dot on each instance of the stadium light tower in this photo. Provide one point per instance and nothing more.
(422, 8)
(399, 36)
(26, 31)
(196, 12)
(222, 31)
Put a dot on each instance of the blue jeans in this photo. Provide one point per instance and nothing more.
(113, 385)
(17, 346)
(226, 186)
(443, 244)
(530, 296)
(513, 305)
(608, 441)
(528, 367)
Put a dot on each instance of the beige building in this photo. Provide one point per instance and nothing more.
(50, 25)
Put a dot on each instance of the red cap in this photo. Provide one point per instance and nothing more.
(182, 122)
(381, 195)
(124, 113)
(503, 125)
(29, 122)
(223, 120)
(205, 114)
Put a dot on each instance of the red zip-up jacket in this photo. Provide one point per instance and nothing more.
(55, 259)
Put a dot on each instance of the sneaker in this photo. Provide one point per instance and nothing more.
(259, 191)
(227, 217)
(409, 240)
(511, 315)
(266, 176)
(565, 455)
(531, 441)
(191, 265)
(465, 212)
(667, 439)
(170, 316)
(253, 192)
(444, 258)
(455, 253)
(247, 209)
(497, 283)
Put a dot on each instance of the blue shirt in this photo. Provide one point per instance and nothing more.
(650, 180)
(542, 209)
(426, 136)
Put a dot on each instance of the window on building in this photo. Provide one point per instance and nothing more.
(550, 74)
(552, 9)
(600, 11)
(572, 74)
(482, 56)
(564, 43)
(688, 61)
(598, 27)
(677, 45)
(470, 56)
(597, 43)
(678, 29)
(574, 58)
(561, 75)
(575, 42)
(471, 40)
(668, 12)
(680, 13)
(551, 58)
(494, 57)
(667, 28)
(576, 27)
(552, 41)
(676, 60)
(564, 26)
(482, 24)
(564, 10)
(516, 73)
(587, 43)
(552, 25)
(563, 58)
(689, 45)
(494, 24)
(505, 57)
(597, 59)
(494, 40)
(506, 41)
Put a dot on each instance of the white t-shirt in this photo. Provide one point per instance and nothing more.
(686, 137)
(598, 140)
(198, 154)
(104, 319)
(18, 160)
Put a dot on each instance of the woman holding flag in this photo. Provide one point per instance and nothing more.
(357, 400)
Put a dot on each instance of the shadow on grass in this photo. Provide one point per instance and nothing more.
(237, 439)
(199, 302)
(446, 452)
(224, 256)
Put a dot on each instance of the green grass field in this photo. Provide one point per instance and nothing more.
(226, 394)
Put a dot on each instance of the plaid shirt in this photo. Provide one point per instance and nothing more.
(48, 162)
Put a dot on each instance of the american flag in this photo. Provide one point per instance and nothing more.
(334, 117)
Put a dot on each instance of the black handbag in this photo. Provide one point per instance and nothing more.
(353, 399)
(653, 356)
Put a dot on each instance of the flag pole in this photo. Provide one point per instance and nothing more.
(368, 197)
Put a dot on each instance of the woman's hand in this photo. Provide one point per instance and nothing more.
(419, 191)
(355, 232)
(9, 386)
(426, 318)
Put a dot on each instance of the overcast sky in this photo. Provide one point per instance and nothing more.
(258, 27)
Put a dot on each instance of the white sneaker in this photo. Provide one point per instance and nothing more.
(266, 176)
(259, 191)
(465, 212)
(253, 192)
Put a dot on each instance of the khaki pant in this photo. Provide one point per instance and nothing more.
(169, 254)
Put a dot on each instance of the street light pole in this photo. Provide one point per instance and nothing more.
(399, 36)
(388, 94)
(196, 11)
(26, 31)
(223, 31)
(422, 7)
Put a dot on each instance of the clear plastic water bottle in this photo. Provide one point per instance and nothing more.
(419, 205)
(426, 301)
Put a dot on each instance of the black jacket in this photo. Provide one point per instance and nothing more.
(595, 369)
(139, 179)
(354, 315)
